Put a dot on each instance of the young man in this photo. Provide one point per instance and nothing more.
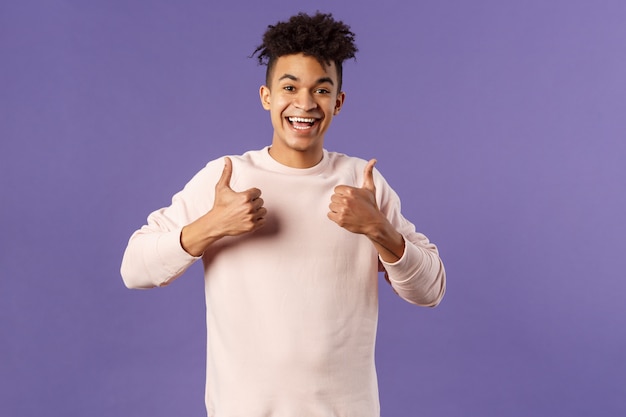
(291, 237)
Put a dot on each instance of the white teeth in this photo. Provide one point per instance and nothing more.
(301, 120)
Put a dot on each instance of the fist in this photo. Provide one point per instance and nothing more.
(237, 212)
(354, 208)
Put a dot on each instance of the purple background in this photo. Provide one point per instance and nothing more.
(502, 125)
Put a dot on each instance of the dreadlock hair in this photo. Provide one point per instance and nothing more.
(319, 36)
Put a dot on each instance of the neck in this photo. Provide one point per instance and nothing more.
(297, 159)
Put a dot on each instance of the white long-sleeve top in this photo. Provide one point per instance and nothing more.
(292, 308)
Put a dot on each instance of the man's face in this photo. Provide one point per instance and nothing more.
(302, 99)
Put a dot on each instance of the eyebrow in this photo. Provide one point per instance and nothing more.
(320, 81)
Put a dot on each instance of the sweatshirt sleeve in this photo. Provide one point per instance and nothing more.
(418, 276)
(154, 256)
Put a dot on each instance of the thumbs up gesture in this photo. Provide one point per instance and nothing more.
(355, 209)
(236, 212)
(233, 213)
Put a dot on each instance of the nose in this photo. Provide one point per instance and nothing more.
(305, 101)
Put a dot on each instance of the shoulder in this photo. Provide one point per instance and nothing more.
(342, 160)
(212, 171)
(248, 159)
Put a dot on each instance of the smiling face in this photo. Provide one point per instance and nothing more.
(302, 98)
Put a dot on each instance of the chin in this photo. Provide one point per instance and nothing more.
(304, 145)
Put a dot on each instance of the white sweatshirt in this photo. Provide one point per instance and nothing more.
(292, 308)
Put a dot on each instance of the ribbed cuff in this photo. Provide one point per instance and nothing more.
(173, 257)
(404, 268)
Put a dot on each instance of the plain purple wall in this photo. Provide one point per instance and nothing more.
(502, 125)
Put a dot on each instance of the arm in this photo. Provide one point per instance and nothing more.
(176, 236)
(418, 276)
(411, 263)
(233, 214)
(154, 256)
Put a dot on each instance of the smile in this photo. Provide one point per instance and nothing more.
(301, 123)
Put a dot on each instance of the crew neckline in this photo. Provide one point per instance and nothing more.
(276, 166)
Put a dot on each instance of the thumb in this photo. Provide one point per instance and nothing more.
(368, 176)
(227, 173)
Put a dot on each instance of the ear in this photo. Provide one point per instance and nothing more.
(341, 97)
(264, 94)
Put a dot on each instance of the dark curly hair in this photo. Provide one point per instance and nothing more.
(319, 36)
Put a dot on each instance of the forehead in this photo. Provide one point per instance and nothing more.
(303, 67)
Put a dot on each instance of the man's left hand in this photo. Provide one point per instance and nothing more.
(355, 209)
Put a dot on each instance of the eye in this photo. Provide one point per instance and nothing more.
(322, 91)
(289, 88)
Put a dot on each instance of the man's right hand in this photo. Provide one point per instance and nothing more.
(233, 213)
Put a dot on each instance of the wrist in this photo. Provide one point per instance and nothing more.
(388, 241)
(196, 237)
